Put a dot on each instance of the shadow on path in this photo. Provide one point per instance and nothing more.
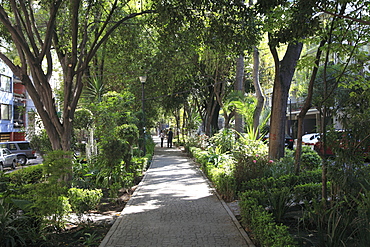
(175, 206)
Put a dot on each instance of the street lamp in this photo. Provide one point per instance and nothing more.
(143, 80)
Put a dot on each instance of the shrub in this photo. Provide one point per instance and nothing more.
(28, 175)
(10, 234)
(199, 141)
(307, 192)
(251, 161)
(280, 199)
(200, 156)
(310, 159)
(221, 174)
(83, 200)
(283, 166)
(262, 224)
(224, 140)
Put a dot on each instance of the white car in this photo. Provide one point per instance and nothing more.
(7, 159)
(310, 139)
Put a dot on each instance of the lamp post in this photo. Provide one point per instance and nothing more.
(143, 80)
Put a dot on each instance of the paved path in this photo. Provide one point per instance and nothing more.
(174, 206)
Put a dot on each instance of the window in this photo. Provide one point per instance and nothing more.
(18, 116)
(12, 146)
(5, 83)
(5, 112)
(24, 145)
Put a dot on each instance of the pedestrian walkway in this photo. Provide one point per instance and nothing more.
(175, 206)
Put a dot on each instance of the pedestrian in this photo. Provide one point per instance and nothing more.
(169, 138)
(161, 135)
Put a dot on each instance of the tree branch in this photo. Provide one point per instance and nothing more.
(344, 16)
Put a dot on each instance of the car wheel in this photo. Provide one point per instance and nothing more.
(1, 167)
(14, 164)
(22, 160)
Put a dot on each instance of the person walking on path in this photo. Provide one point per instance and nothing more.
(169, 138)
(161, 135)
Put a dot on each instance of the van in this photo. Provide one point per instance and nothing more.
(22, 149)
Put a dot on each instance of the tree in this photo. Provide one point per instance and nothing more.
(220, 27)
(257, 87)
(306, 107)
(73, 31)
(296, 21)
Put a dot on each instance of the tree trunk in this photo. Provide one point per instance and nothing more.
(257, 87)
(284, 71)
(306, 107)
(239, 86)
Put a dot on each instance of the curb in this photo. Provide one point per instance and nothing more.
(232, 216)
(122, 214)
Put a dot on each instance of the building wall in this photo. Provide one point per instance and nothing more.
(13, 97)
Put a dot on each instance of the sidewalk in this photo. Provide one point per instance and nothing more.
(175, 206)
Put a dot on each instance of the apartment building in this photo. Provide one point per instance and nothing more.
(15, 106)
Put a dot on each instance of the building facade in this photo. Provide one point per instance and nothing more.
(15, 106)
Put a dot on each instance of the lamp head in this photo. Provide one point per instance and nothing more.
(142, 79)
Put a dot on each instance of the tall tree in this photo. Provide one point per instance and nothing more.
(239, 86)
(221, 26)
(296, 21)
(257, 87)
(74, 31)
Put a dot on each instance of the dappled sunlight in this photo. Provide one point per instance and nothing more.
(142, 207)
(174, 206)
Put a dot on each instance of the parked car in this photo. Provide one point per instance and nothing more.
(342, 141)
(289, 141)
(7, 159)
(22, 149)
(310, 139)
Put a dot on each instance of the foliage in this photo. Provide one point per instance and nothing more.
(307, 192)
(224, 140)
(251, 160)
(284, 165)
(201, 156)
(83, 119)
(199, 141)
(262, 223)
(83, 200)
(220, 171)
(310, 159)
(84, 175)
(40, 142)
(31, 175)
(280, 200)
(244, 105)
(10, 229)
(57, 165)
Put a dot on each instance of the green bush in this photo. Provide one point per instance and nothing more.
(283, 166)
(200, 156)
(224, 140)
(223, 179)
(310, 159)
(10, 229)
(280, 199)
(251, 161)
(83, 200)
(28, 175)
(307, 192)
(263, 225)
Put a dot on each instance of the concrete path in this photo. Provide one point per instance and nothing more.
(175, 206)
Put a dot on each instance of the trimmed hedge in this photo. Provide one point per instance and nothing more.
(266, 231)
